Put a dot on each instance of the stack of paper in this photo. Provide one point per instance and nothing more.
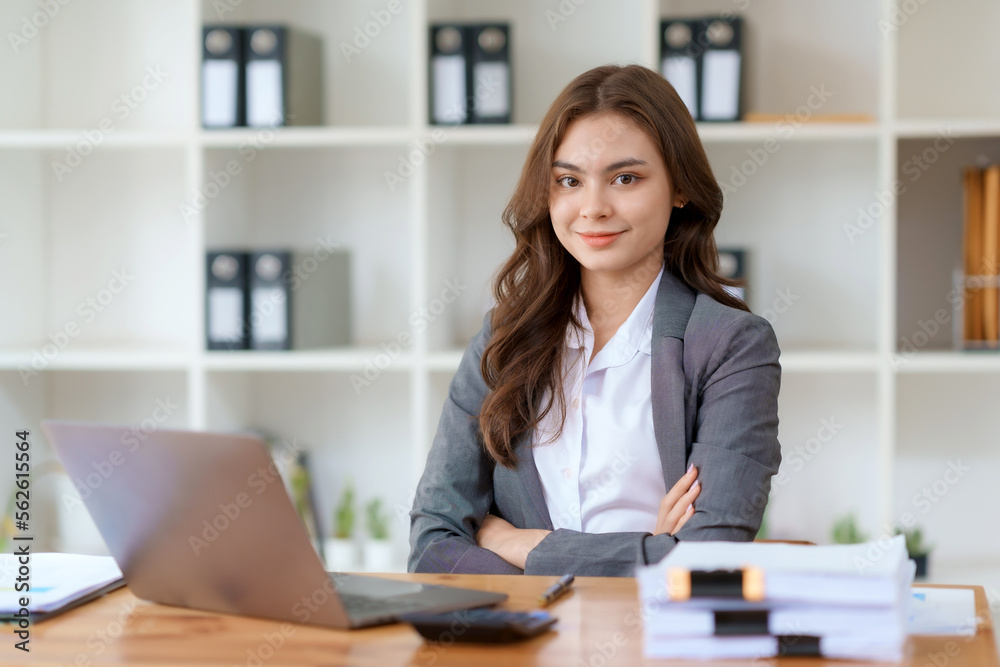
(841, 601)
(57, 582)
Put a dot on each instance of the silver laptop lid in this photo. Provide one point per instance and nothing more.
(163, 504)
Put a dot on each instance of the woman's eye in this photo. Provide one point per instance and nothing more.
(626, 179)
(567, 181)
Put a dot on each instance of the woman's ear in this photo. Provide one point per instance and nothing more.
(679, 200)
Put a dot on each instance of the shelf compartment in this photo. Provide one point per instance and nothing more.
(832, 46)
(930, 230)
(88, 249)
(144, 52)
(547, 53)
(307, 198)
(955, 67)
(369, 88)
(947, 462)
(935, 490)
(359, 435)
(828, 433)
(467, 240)
(805, 270)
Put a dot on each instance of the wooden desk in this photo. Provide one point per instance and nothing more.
(599, 625)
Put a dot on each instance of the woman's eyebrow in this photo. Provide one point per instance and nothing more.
(627, 162)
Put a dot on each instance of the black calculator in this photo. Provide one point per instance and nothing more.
(480, 625)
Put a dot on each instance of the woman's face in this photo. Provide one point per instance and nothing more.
(610, 196)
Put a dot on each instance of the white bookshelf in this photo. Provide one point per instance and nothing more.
(841, 335)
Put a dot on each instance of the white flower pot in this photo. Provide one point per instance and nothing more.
(341, 554)
(379, 556)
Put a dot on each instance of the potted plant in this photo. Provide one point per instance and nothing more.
(341, 550)
(917, 549)
(378, 548)
(845, 531)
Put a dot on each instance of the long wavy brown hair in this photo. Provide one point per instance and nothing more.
(536, 287)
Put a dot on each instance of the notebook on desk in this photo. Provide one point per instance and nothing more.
(202, 520)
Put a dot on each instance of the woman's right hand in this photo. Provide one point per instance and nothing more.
(678, 505)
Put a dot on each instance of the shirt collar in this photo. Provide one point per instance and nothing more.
(634, 335)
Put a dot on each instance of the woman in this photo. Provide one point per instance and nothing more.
(614, 366)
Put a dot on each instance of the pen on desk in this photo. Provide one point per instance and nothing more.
(556, 590)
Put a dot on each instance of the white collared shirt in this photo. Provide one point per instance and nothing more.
(603, 474)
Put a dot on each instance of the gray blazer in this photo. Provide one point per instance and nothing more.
(715, 379)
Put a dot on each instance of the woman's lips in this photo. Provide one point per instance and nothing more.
(600, 240)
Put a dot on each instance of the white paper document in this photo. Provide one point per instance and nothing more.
(942, 611)
(56, 579)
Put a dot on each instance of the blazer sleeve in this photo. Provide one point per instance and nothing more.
(735, 449)
(456, 489)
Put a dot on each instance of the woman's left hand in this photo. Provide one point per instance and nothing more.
(510, 543)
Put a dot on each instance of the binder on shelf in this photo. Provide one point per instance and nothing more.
(972, 303)
(733, 265)
(991, 252)
(489, 77)
(298, 300)
(721, 68)
(680, 59)
(448, 71)
(284, 76)
(470, 74)
(222, 77)
(225, 301)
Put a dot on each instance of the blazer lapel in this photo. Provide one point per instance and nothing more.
(674, 303)
(536, 511)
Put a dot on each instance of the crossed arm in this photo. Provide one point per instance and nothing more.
(514, 544)
(735, 452)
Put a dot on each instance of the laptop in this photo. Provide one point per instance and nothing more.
(203, 520)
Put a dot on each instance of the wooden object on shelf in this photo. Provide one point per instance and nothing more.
(601, 613)
(991, 252)
(973, 308)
